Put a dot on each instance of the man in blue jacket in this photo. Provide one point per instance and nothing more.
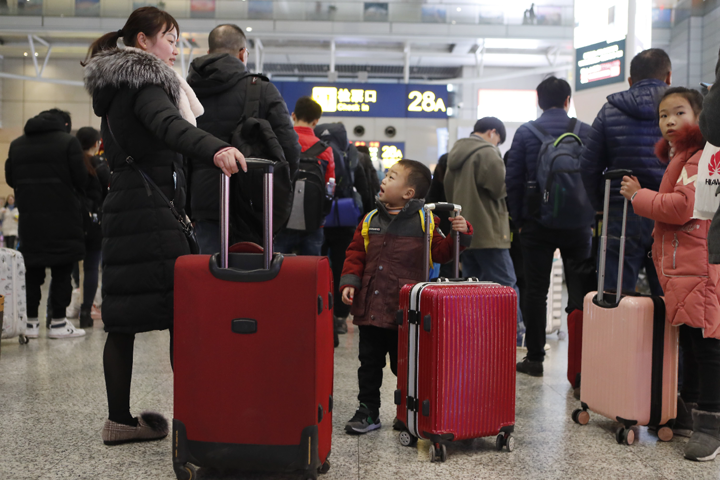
(624, 135)
(537, 241)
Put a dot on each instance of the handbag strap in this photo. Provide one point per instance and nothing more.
(187, 227)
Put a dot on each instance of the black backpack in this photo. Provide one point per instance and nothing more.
(345, 155)
(255, 138)
(311, 203)
(557, 197)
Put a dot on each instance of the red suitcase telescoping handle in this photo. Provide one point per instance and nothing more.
(441, 207)
(268, 166)
(611, 175)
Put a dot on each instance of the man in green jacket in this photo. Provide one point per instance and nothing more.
(475, 179)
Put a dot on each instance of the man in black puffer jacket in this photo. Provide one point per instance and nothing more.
(45, 167)
(624, 135)
(220, 81)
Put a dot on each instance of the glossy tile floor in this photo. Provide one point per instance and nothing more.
(52, 408)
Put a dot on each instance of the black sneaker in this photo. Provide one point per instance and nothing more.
(362, 422)
(341, 325)
(534, 369)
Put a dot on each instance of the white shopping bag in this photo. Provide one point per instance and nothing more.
(708, 180)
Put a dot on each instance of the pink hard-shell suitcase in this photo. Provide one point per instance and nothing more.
(629, 352)
(456, 359)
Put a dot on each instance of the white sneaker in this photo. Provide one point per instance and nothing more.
(64, 329)
(73, 310)
(32, 329)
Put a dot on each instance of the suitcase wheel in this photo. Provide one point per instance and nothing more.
(665, 434)
(626, 436)
(325, 467)
(580, 416)
(23, 340)
(185, 472)
(505, 440)
(407, 439)
(438, 453)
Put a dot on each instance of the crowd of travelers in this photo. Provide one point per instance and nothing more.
(163, 133)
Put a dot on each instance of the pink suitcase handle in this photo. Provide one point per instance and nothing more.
(441, 207)
(268, 166)
(609, 176)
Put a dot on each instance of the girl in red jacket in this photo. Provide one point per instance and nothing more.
(680, 254)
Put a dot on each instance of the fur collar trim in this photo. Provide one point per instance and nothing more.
(130, 67)
(690, 141)
(189, 105)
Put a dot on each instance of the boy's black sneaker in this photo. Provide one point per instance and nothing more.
(534, 369)
(362, 421)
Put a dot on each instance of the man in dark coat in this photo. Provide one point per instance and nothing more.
(45, 167)
(624, 135)
(538, 242)
(220, 81)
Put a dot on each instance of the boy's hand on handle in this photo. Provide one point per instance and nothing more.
(347, 295)
(459, 224)
(629, 186)
(228, 160)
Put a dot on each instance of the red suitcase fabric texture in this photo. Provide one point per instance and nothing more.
(575, 329)
(254, 395)
(466, 362)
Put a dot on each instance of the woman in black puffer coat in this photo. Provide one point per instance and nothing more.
(148, 113)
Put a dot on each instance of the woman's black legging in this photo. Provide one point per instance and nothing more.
(701, 369)
(118, 364)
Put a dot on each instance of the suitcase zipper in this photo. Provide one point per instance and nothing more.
(675, 244)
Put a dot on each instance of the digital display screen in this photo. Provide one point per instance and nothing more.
(599, 64)
(386, 153)
(370, 99)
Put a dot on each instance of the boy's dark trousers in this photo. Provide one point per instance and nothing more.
(375, 344)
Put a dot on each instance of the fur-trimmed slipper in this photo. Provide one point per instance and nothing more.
(151, 426)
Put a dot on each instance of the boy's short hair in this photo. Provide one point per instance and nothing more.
(694, 98)
(307, 110)
(491, 123)
(419, 176)
(552, 93)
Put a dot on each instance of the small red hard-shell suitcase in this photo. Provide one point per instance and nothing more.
(456, 359)
(253, 362)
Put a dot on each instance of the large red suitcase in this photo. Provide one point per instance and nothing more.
(456, 361)
(253, 360)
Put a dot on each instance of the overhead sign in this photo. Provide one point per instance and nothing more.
(388, 153)
(370, 99)
(599, 64)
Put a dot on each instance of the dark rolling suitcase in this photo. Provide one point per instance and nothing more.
(253, 358)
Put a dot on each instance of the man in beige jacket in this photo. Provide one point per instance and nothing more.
(475, 179)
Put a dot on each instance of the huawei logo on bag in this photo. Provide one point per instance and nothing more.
(714, 165)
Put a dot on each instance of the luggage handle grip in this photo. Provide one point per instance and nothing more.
(268, 166)
(443, 207)
(617, 173)
(609, 176)
(447, 207)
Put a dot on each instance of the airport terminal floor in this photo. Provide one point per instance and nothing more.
(53, 405)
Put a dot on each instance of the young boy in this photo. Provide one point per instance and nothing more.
(372, 277)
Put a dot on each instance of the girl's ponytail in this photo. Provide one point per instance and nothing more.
(106, 42)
